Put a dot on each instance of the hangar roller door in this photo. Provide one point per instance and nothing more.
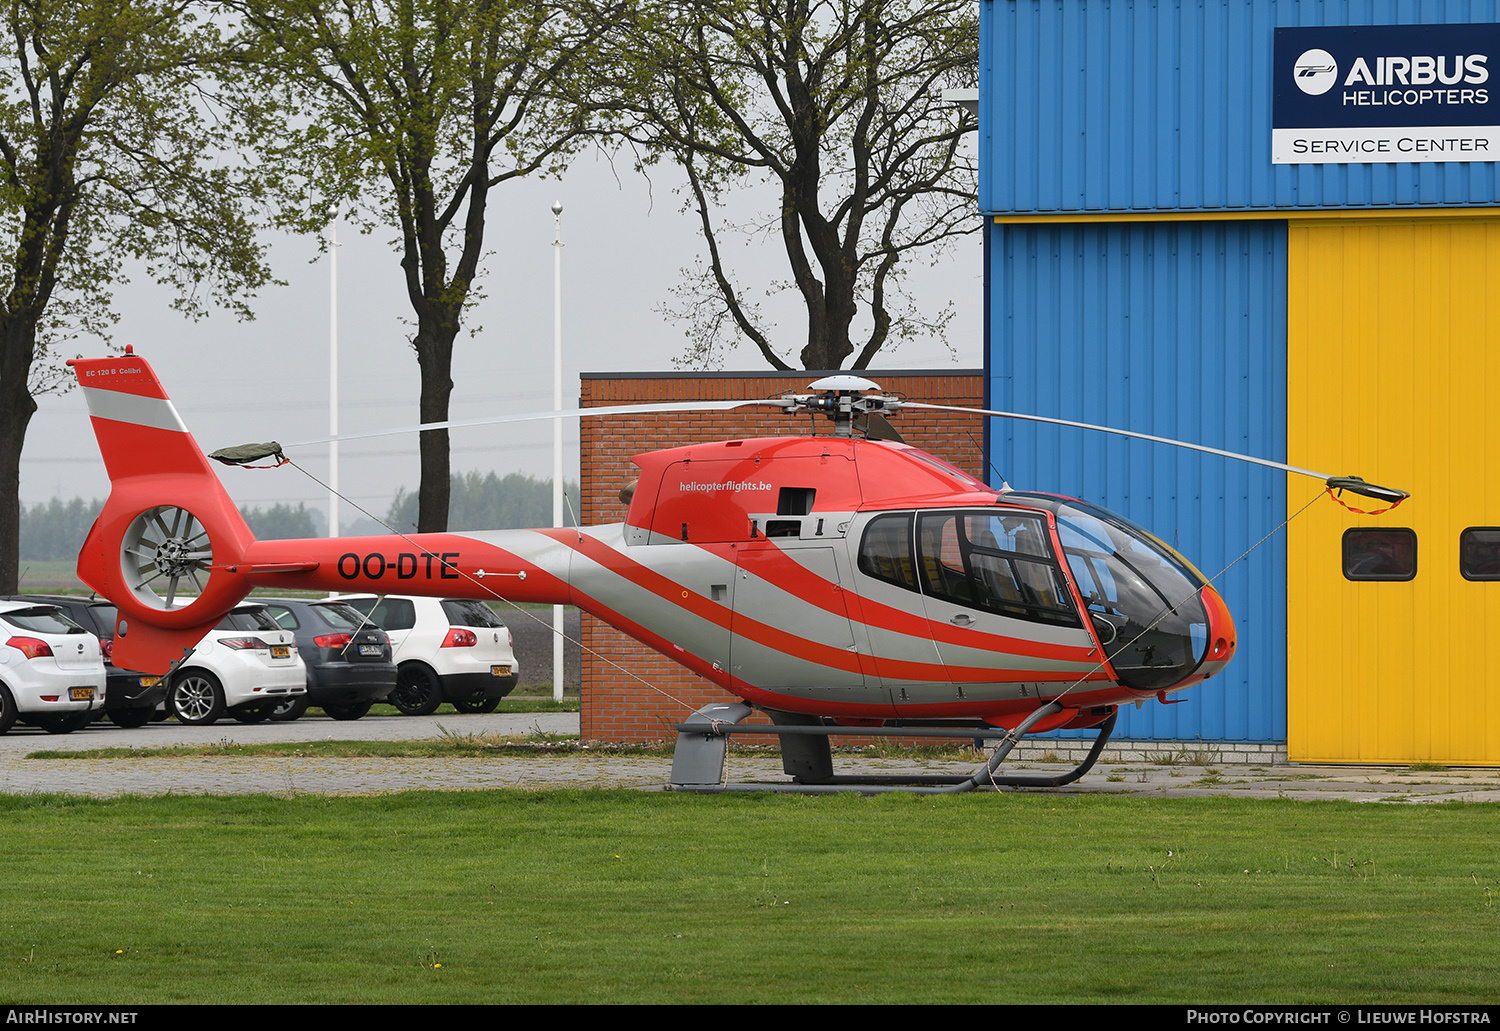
(1393, 372)
(1173, 329)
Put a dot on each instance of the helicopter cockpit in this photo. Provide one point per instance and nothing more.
(1144, 599)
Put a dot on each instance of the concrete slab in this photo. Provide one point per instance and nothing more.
(310, 774)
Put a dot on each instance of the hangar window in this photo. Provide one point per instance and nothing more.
(1387, 554)
(1479, 553)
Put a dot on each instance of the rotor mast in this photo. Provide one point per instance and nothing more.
(842, 397)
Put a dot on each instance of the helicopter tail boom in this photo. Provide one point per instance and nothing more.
(517, 565)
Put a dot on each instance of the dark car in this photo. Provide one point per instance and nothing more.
(348, 658)
(130, 698)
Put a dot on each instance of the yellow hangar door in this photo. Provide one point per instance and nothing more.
(1393, 373)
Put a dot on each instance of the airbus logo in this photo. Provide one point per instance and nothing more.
(1315, 72)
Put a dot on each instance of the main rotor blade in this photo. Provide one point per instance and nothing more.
(1123, 433)
(1349, 483)
(565, 413)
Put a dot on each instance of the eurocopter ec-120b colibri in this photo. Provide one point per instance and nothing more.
(831, 582)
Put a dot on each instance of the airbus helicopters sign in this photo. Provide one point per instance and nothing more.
(1384, 93)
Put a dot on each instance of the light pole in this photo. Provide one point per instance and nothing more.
(557, 435)
(333, 378)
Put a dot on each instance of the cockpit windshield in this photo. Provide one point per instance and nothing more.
(1143, 597)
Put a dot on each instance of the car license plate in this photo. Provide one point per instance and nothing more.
(150, 681)
(499, 671)
(81, 694)
(280, 651)
(369, 649)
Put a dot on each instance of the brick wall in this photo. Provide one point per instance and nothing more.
(630, 693)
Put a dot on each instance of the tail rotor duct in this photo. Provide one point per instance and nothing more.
(165, 552)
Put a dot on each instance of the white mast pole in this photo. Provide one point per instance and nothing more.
(557, 435)
(333, 377)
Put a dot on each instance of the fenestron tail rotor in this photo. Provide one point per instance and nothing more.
(165, 556)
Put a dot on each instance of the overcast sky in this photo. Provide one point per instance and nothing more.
(624, 243)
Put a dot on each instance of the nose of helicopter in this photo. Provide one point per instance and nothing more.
(1221, 636)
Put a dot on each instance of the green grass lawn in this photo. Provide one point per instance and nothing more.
(646, 897)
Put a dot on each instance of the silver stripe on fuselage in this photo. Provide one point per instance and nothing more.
(156, 412)
(534, 546)
(692, 569)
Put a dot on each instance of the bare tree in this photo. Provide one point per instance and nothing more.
(838, 104)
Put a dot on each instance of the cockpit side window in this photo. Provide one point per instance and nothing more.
(1002, 563)
(885, 551)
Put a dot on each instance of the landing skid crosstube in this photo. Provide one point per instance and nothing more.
(702, 742)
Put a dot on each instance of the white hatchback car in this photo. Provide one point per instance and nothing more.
(445, 649)
(245, 667)
(51, 669)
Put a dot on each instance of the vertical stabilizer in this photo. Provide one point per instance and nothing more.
(166, 547)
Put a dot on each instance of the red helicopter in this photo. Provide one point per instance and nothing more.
(841, 583)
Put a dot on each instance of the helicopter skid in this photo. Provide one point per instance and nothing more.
(698, 761)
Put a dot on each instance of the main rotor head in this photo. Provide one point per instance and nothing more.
(849, 402)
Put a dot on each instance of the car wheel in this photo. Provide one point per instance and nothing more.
(196, 698)
(477, 704)
(7, 709)
(67, 722)
(347, 711)
(131, 718)
(417, 691)
(253, 713)
(291, 709)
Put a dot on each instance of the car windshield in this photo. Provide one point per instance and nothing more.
(469, 612)
(42, 619)
(248, 619)
(106, 616)
(389, 614)
(341, 617)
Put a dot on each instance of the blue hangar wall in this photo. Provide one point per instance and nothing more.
(1136, 275)
(1172, 329)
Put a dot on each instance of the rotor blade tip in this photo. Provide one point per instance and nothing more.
(1358, 485)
